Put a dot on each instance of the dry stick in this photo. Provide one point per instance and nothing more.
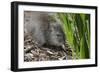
(28, 49)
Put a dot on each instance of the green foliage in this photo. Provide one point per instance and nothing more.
(77, 31)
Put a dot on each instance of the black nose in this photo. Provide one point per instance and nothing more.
(59, 35)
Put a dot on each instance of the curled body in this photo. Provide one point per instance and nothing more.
(43, 30)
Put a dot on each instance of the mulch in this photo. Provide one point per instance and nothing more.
(33, 52)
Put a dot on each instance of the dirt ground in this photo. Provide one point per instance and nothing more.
(32, 52)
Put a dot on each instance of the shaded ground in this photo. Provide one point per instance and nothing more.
(32, 52)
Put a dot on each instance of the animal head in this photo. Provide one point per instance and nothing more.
(57, 36)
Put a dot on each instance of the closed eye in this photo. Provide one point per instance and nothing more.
(59, 35)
